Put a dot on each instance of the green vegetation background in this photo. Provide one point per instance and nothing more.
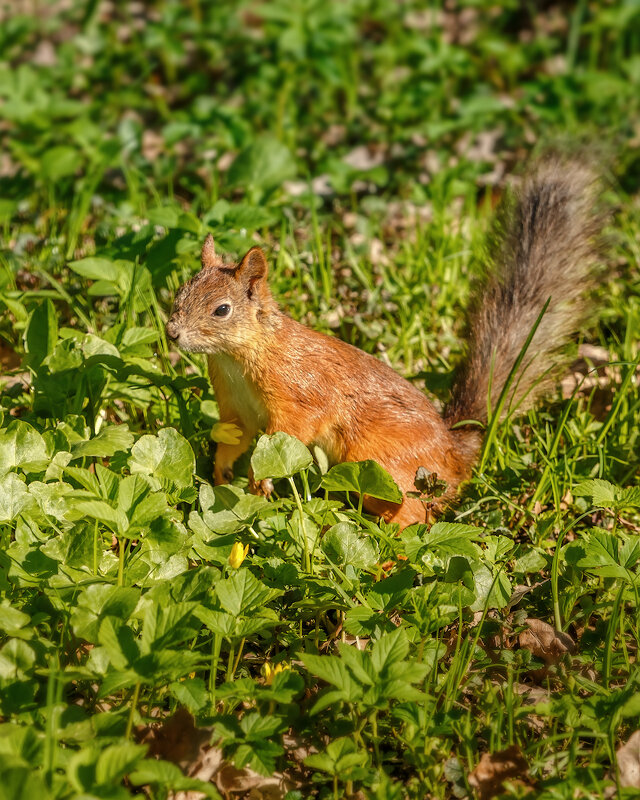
(364, 143)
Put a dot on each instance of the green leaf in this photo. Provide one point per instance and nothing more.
(16, 659)
(14, 497)
(112, 517)
(167, 455)
(110, 440)
(603, 493)
(599, 552)
(343, 545)
(390, 649)
(20, 445)
(491, 591)
(340, 757)
(363, 477)
(453, 538)
(263, 165)
(41, 333)
(170, 776)
(192, 693)
(96, 269)
(331, 669)
(279, 456)
(60, 162)
(242, 592)
(116, 761)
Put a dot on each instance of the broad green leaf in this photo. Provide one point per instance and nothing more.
(492, 591)
(167, 455)
(16, 659)
(60, 162)
(227, 509)
(119, 642)
(112, 517)
(263, 165)
(192, 693)
(453, 538)
(331, 669)
(390, 649)
(363, 477)
(115, 761)
(14, 497)
(108, 441)
(11, 619)
(279, 456)
(343, 545)
(96, 269)
(41, 333)
(20, 445)
(603, 493)
(600, 552)
(170, 776)
(242, 592)
(166, 216)
(340, 757)
(101, 600)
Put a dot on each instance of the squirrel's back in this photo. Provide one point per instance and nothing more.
(547, 251)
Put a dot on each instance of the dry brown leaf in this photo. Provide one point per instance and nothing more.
(152, 144)
(9, 359)
(365, 157)
(628, 758)
(175, 739)
(230, 780)
(495, 768)
(545, 642)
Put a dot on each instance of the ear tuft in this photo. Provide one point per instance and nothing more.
(253, 268)
(209, 257)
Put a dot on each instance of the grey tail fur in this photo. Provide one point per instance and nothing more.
(547, 251)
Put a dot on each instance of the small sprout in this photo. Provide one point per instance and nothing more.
(226, 433)
(271, 672)
(238, 554)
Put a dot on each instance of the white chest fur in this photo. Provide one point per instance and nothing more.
(236, 391)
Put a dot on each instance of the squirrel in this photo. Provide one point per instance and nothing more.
(271, 373)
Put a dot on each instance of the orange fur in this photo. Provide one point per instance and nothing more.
(271, 373)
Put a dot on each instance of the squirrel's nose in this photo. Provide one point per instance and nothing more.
(172, 329)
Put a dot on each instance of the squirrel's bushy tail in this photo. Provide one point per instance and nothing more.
(547, 251)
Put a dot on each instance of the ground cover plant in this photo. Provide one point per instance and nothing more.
(162, 636)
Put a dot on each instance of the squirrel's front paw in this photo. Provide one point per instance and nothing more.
(262, 488)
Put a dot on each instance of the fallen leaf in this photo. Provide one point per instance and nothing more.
(365, 157)
(230, 780)
(545, 642)
(628, 758)
(495, 768)
(175, 739)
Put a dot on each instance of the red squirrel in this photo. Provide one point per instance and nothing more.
(270, 373)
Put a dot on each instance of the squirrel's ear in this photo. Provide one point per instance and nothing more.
(253, 269)
(209, 257)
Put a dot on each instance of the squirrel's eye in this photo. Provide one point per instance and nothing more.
(223, 310)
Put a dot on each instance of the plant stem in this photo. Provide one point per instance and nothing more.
(215, 655)
(134, 703)
(121, 546)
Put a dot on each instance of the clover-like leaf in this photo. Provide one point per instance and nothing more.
(363, 477)
(279, 456)
(166, 455)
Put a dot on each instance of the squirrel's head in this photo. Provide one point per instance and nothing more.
(219, 309)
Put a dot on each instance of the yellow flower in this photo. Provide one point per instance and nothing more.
(226, 433)
(238, 554)
(271, 672)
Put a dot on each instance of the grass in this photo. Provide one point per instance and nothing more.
(365, 145)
